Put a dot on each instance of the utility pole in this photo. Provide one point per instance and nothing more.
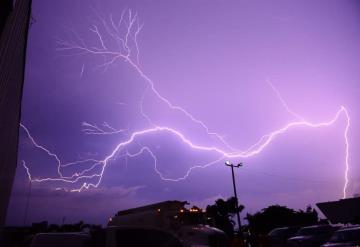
(227, 163)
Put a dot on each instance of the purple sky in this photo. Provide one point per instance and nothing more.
(213, 59)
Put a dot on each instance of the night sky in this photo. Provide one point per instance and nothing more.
(241, 69)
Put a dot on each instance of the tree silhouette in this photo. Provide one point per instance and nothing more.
(280, 216)
(222, 213)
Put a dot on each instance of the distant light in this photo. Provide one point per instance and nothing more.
(158, 209)
(227, 162)
(181, 210)
(110, 219)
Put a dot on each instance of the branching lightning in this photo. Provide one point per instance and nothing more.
(105, 129)
(120, 48)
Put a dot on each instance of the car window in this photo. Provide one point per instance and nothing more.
(346, 235)
(305, 231)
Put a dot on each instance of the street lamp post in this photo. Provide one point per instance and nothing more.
(227, 163)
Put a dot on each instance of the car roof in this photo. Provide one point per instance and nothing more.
(318, 226)
(350, 228)
(285, 228)
(63, 234)
(281, 228)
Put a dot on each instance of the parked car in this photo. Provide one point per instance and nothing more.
(201, 235)
(140, 236)
(109, 237)
(61, 239)
(345, 238)
(312, 236)
(136, 236)
(278, 236)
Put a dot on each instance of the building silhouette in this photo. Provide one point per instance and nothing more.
(14, 24)
(344, 211)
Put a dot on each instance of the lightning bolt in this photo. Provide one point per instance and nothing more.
(283, 102)
(256, 149)
(124, 43)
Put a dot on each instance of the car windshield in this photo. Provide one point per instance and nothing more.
(279, 232)
(346, 235)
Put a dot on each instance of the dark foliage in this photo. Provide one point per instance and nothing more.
(279, 216)
(222, 213)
